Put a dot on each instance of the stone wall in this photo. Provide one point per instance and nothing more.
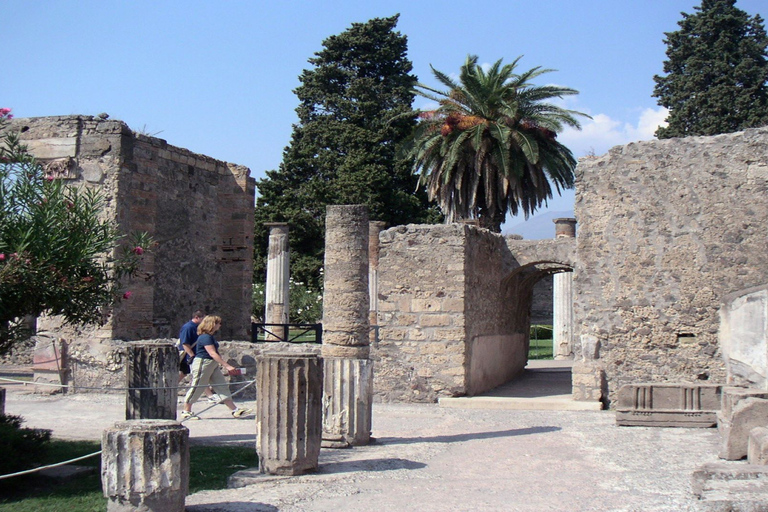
(198, 209)
(497, 338)
(542, 305)
(667, 230)
(421, 352)
(454, 308)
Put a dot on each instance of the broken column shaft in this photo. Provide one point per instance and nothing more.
(348, 381)
(289, 421)
(278, 275)
(152, 377)
(145, 466)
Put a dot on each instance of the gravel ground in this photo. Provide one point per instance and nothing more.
(429, 458)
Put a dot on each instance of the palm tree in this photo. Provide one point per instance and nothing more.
(490, 146)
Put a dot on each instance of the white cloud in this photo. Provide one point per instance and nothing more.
(601, 133)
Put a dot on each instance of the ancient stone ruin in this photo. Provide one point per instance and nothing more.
(198, 209)
(666, 276)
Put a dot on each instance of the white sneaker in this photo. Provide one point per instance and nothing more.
(186, 415)
(241, 411)
(215, 398)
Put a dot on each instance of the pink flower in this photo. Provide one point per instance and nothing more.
(49, 178)
(2, 257)
(138, 250)
(6, 113)
(127, 295)
(15, 255)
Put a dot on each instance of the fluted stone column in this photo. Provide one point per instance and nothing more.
(348, 381)
(278, 274)
(152, 378)
(289, 418)
(145, 466)
(562, 337)
(374, 228)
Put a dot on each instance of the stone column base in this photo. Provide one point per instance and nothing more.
(145, 466)
(347, 402)
(289, 414)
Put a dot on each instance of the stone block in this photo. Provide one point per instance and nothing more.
(145, 466)
(733, 395)
(588, 381)
(757, 449)
(49, 365)
(432, 320)
(723, 487)
(734, 430)
(668, 405)
(55, 147)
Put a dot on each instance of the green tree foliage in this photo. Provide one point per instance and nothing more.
(343, 149)
(491, 145)
(716, 72)
(57, 256)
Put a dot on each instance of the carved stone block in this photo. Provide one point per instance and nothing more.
(668, 405)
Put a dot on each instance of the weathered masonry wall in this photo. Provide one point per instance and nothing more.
(198, 209)
(667, 230)
(454, 308)
(421, 352)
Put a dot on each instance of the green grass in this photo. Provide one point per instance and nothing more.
(295, 335)
(210, 466)
(540, 346)
(540, 349)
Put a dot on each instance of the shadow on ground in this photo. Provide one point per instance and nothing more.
(457, 438)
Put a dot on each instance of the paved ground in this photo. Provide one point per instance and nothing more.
(431, 458)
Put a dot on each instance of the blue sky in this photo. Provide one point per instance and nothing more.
(217, 77)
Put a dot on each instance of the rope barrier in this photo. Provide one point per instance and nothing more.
(70, 386)
(77, 459)
(35, 470)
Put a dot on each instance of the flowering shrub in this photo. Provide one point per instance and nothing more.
(305, 304)
(57, 256)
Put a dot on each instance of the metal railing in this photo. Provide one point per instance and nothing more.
(289, 333)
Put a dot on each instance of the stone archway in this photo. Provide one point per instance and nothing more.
(520, 284)
(453, 308)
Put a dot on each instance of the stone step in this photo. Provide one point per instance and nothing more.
(549, 403)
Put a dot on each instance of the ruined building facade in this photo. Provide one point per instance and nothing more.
(669, 268)
(669, 232)
(199, 211)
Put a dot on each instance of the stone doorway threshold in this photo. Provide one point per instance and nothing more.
(543, 386)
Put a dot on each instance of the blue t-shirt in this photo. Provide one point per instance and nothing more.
(203, 341)
(188, 336)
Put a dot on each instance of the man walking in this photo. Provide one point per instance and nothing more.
(187, 341)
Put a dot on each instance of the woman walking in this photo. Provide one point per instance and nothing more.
(205, 372)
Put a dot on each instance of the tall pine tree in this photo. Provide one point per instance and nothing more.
(343, 149)
(716, 72)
